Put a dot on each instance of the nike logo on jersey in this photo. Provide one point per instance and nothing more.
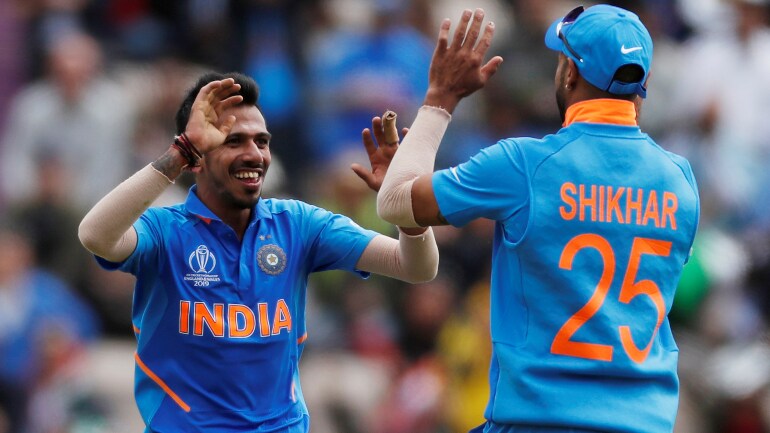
(625, 50)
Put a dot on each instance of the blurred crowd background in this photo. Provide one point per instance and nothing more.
(87, 96)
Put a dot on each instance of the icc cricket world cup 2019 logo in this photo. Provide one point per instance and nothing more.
(202, 262)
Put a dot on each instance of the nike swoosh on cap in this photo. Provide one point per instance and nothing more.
(625, 50)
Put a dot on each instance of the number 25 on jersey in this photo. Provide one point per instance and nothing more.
(563, 343)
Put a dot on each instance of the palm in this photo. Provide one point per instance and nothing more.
(206, 128)
(380, 152)
(458, 69)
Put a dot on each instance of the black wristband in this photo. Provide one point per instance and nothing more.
(183, 144)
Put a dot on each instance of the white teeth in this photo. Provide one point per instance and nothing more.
(247, 175)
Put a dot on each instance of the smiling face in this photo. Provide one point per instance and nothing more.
(231, 176)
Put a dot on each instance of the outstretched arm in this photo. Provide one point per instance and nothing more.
(414, 256)
(456, 71)
(411, 258)
(107, 229)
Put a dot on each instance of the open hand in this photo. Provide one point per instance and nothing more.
(457, 70)
(379, 149)
(207, 128)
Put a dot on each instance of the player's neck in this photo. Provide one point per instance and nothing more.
(608, 111)
(237, 220)
(236, 217)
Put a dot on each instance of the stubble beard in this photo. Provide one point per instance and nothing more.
(560, 103)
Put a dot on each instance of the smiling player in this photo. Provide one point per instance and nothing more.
(219, 303)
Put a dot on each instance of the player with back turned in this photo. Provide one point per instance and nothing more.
(593, 226)
(219, 303)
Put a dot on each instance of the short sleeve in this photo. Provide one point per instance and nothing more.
(148, 240)
(493, 184)
(337, 241)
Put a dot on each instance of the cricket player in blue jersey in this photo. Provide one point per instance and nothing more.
(219, 303)
(593, 226)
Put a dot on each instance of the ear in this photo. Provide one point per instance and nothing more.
(572, 73)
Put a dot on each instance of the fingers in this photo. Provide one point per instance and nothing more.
(491, 67)
(486, 39)
(369, 145)
(443, 36)
(220, 90)
(227, 125)
(475, 29)
(206, 90)
(461, 29)
(404, 131)
(231, 101)
(379, 133)
(389, 127)
(364, 174)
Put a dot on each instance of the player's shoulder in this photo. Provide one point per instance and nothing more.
(678, 160)
(170, 210)
(294, 209)
(536, 148)
(167, 214)
(287, 205)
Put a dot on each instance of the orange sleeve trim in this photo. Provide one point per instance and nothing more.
(161, 383)
(136, 330)
(302, 339)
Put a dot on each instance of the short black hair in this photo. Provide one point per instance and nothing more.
(249, 91)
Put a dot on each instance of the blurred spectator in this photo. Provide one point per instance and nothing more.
(465, 348)
(11, 69)
(350, 358)
(722, 98)
(273, 57)
(414, 400)
(356, 73)
(43, 327)
(51, 221)
(75, 115)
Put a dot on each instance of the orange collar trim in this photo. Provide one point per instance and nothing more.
(612, 111)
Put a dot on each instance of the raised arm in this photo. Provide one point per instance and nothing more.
(456, 71)
(107, 229)
(414, 256)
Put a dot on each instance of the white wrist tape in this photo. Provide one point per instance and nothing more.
(413, 259)
(107, 230)
(416, 156)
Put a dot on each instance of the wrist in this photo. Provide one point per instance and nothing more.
(442, 99)
(171, 163)
(186, 148)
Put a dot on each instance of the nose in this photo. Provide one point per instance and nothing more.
(253, 153)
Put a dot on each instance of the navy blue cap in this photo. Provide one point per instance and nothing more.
(601, 40)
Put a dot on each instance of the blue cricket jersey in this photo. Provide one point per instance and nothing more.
(593, 227)
(220, 323)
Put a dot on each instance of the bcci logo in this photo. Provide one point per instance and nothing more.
(271, 259)
(202, 263)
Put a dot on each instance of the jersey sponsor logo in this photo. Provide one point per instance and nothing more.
(271, 259)
(202, 263)
(618, 204)
(234, 320)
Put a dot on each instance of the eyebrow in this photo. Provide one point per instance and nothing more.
(258, 135)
